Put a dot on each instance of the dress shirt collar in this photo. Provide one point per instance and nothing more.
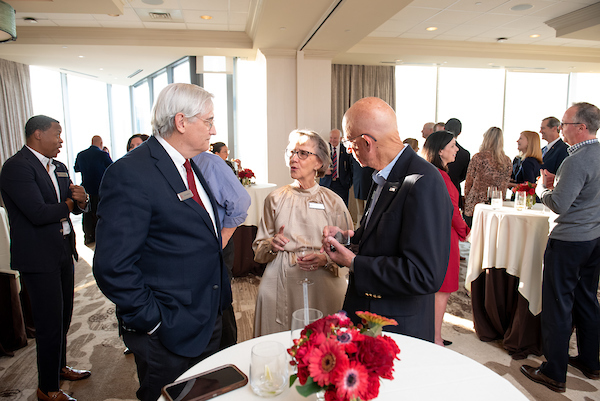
(577, 146)
(43, 159)
(550, 144)
(174, 154)
(380, 177)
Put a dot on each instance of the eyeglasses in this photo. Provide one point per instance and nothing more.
(561, 124)
(302, 154)
(349, 142)
(209, 121)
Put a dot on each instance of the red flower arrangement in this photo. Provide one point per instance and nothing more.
(344, 360)
(527, 187)
(246, 173)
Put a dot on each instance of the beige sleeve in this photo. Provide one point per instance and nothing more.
(266, 232)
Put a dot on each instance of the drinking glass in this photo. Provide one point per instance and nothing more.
(520, 200)
(490, 191)
(301, 318)
(305, 248)
(497, 196)
(268, 369)
(340, 220)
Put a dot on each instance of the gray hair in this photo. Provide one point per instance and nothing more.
(188, 99)
(553, 122)
(321, 148)
(589, 115)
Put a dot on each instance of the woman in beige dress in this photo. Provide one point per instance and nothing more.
(294, 215)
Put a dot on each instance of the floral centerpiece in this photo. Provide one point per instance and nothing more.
(245, 175)
(529, 189)
(343, 360)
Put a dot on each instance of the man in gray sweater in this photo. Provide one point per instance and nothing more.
(572, 257)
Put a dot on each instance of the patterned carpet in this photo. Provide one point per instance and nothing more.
(94, 344)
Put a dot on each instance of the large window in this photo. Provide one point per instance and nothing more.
(217, 85)
(121, 120)
(141, 108)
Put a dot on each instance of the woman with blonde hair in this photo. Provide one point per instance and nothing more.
(528, 170)
(488, 168)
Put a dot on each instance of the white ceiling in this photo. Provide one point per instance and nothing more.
(110, 39)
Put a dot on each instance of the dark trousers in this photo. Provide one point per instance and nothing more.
(337, 187)
(51, 297)
(229, 336)
(571, 272)
(89, 220)
(157, 366)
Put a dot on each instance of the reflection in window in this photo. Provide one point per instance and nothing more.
(121, 114)
(583, 87)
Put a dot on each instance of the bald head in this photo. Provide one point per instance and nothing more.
(427, 129)
(97, 141)
(372, 127)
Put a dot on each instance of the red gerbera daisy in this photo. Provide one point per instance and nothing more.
(326, 361)
(353, 382)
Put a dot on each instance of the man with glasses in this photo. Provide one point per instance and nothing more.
(403, 243)
(556, 150)
(158, 243)
(572, 256)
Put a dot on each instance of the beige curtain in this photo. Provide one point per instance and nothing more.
(15, 106)
(350, 83)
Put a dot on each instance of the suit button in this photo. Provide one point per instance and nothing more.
(215, 287)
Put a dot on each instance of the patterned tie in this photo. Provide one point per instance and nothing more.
(544, 151)
(334, 174)
(192, 182)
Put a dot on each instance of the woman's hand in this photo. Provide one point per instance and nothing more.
(279, 241)
(312, 261)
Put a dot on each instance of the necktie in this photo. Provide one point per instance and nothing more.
(544, 151)
(48, 165)
(192, 182)
(334, 174)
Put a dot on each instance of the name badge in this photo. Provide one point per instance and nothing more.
(185, 195)
(315, 205)
(62, 174)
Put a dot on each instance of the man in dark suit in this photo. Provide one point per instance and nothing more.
(92, 163)
(39, 197)
(556, 150)
(403, 243)
(457, 170)
(158, 243)
(339, 177)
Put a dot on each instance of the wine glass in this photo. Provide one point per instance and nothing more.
(305, 248)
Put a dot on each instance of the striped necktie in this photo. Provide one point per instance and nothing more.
(334, 174)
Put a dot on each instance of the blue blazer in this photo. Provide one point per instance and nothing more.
(158, 258)
(403, 252)
(555, 156)
(34, 212)
(92, 163)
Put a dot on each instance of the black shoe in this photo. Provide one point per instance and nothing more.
(127, 351)
(589, 373)
(447, 343)
(536, 375)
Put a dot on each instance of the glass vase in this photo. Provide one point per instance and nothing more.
(320, 395)
(530, 201)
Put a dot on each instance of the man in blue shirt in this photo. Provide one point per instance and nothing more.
(233, 202)
(92, 163)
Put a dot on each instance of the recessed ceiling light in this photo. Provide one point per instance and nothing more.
(81, 56)
(31, 20)
(535, 35)
(101, 69)
(521, 7)
(153, 2)
(64, 47)
(397, 60)
(478, 3)
(206, 17)
(282, 28)
(501, 40)
(432, 28)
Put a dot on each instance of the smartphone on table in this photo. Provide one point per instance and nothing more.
(206, 385)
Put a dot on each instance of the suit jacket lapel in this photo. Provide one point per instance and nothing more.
(41, 171)
(390, 190)
(63, 183)
(166, 166)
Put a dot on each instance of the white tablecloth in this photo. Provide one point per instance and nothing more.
(425, 371)
(258, 193)
(505, 238)
(5, 244)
